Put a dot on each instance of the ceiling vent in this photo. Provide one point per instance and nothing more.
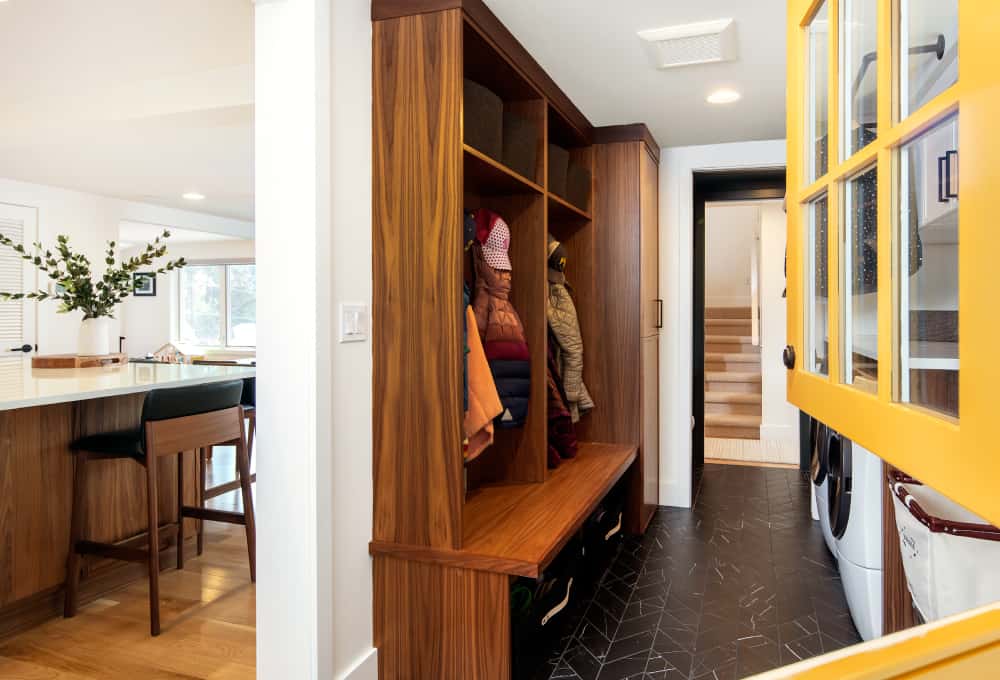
(704, 42)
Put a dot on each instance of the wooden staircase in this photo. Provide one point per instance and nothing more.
(732, 375)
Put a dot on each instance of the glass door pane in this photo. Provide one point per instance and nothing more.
(860, 277)
(928, 262)
(858, 74)
(929, 31)
(817, 321)
(817, 126)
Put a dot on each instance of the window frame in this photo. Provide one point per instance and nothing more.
(223, 301)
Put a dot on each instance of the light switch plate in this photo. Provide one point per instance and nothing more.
(353, 322)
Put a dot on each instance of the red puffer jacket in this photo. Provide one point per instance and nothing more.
(503, 340)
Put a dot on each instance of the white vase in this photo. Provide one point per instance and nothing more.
(95, 337)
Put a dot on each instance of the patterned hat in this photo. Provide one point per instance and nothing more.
(494, 235)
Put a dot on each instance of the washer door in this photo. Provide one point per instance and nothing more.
(819, 439)
(839, 482)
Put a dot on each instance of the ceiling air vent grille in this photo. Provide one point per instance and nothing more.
(705, 42)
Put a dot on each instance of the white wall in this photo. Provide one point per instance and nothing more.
(150, 322)
(313, 200)
(780, 420)
(729, 237)
(91, 221)
(677, 167)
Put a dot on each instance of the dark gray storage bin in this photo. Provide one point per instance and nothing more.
(483, 119)
(520, 145)
(558, 167)
(578, 186)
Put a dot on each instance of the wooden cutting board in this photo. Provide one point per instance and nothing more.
(77, 361)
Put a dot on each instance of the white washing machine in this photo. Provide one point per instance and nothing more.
(819, 439)
(854, 496)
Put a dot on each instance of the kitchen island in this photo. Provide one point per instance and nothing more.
(41, 412)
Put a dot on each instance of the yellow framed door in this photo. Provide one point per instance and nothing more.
(864, 369)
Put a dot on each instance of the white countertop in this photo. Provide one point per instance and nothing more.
(22, 386)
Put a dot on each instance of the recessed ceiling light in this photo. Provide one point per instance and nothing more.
(193, 196)
(723, 96)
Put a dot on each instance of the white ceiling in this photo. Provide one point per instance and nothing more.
(590, 48)
(142, 100)
(136, 233)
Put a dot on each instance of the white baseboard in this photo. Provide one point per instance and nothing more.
(365, 668)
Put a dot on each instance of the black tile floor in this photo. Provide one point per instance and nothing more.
(740, 584)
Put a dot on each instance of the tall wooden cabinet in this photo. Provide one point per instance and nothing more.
(449, 536)
(627, 278)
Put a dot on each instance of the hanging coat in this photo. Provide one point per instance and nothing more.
(565, 327)
(483, 400)
(562, 442)
(503, 339)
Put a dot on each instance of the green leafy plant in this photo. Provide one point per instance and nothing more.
(74, 284)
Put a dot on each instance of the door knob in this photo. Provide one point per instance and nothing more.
(788, 357)
(23, 348)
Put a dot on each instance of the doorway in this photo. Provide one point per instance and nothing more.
(728, 357)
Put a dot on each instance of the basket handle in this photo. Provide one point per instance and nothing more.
(985, 532)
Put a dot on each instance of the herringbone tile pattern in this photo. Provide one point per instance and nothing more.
(741, 583)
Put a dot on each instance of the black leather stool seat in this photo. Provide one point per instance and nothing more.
(124, 444)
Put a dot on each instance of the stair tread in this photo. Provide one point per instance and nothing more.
(731, 376)
(741, 357)
(729, 339)
(727, 322)
(731, 420)
(732, 398)
(728, 313)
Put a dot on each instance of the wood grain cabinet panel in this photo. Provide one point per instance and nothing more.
(440, 622)
(627, 273)
(649, 247)
(417, 268)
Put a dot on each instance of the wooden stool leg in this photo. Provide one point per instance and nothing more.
(244, 463)
(76, 535)
(201, 499)
(180, 510)
(251, 431)
(154, 544)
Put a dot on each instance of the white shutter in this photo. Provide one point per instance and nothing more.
(11, 281)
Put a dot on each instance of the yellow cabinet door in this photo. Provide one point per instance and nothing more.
(891, 285)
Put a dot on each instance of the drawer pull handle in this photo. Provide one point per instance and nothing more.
(615, 529)
(559, 607)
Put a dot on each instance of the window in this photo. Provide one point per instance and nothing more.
(819, 119)
(928, 254)
(859, 98)
(217, 305)
(817, 361)
(929, 30)
(859, 262)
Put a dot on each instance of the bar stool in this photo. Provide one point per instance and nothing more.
(173, 421)
(249, 403)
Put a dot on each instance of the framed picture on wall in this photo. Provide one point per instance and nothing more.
(144, 284)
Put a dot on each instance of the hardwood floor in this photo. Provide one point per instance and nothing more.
(208, 609)
(752, 450)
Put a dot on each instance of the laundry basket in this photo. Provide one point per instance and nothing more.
(950, 555)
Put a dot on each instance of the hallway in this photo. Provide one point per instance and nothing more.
(740, 584)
